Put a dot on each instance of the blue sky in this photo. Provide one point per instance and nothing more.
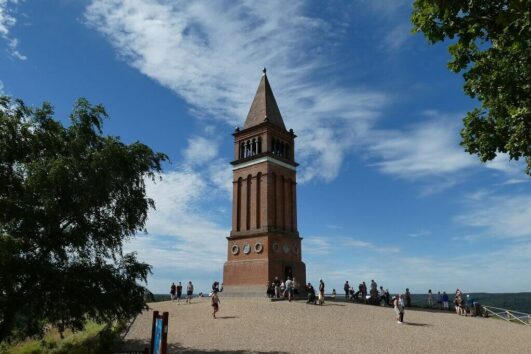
(385, 192)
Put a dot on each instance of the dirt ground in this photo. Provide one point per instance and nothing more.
(259, 326)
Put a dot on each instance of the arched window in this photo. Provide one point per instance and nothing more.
(248, 211)
(274, 204)
(242, 150)
(258, 196)
(259, 145)
(288, 149)
(239, 205)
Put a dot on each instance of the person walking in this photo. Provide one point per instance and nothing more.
(172, 291)
(430, 299)
(189, 292)
(215, 302)
(179, 293)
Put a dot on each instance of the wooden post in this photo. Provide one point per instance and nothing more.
(164, 344)
(155, 315)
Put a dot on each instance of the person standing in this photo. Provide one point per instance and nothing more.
(334, 294)
(215, 302)
(321, 291)
(346, 287)
(445, 300)
(383, 296)
(398, 305)
(189, 292)
(430, 299)
(439, 300)
(172, 291)
(408, 298)
(364, 292)
(311, 294)
(289, 288)
(277, 287)
(295, 287)
(179, 292)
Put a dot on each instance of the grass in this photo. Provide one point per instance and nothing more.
(96, 338)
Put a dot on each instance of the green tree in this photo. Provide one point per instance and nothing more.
(492, 49)
(69, 198)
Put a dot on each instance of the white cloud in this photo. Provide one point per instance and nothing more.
(499, 216)
(425, 150)
(420, 233)
(181, 233)
(210, 53)
(7, 21)
(513, 170)
(200, 150)
(317, 245)
(472, 271)
(396, 37)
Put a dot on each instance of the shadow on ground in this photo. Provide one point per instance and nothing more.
(131, 345)
(417, 324)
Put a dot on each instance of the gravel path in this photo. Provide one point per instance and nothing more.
(257, 325)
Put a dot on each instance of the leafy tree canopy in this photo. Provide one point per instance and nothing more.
(69, 198)
(492, 48)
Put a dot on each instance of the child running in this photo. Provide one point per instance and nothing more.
(215, 302)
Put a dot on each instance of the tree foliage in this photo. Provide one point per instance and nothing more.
(69, 198)
(492, 48)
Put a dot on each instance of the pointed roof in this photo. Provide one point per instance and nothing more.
(264, 106)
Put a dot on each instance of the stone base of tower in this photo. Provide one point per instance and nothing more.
(249, 278)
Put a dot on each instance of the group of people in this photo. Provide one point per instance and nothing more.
(289, 288)
(176, 292)
(375, 296)
(279, 288)
(314, 298)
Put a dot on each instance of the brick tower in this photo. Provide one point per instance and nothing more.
(264, 242)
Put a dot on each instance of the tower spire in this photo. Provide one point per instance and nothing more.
(264, 106)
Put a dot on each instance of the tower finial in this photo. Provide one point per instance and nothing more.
(264, 70)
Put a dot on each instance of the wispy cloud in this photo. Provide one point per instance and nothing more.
(420, 273)
(317, 245)
(420, 233)
(500, 216)
(376, 248)
(210, 53)
(424, 150)
(512, 170)
(183, 235)
(7, 21)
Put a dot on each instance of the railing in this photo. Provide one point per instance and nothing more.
(508, 315)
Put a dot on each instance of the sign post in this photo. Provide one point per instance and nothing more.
(159, 333)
